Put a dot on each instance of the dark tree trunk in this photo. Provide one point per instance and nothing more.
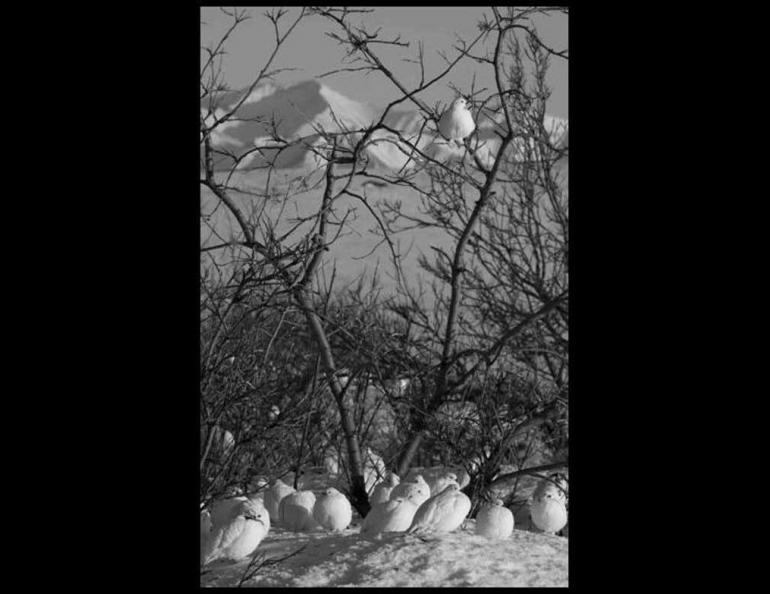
(411, 449)
(359, 498)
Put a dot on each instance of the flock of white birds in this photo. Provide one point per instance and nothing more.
(233, 528)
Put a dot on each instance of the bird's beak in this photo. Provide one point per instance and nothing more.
(255, 518)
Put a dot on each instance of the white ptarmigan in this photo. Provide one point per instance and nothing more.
(273, 497)
(456, 122)
(442, 482)
(296, 511)
(221, 509)
(332, 510)
(417, 490)
(548, 509)
(381, 492)
(444, 512)
(494, 520)
(331, 464)
(395, 515)
(238, 535)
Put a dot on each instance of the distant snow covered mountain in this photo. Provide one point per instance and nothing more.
(300, 111)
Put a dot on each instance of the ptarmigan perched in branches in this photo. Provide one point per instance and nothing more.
(457, 123)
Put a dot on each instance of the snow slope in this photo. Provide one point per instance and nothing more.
(461, 558)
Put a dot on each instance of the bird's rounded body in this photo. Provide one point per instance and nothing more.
(296, 511)
(418, 490)
(395, 515)
(273, 497)
(548, 509)
(444, 512)
(238, 535)
(382, 491)
(220, 509)
(332, 510)
(494, 521)
(456, 122)
(549, 515)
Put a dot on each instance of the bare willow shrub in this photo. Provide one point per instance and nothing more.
(488, 345)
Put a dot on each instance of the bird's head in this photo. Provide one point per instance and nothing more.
(460, 102)
(418, 493)
(253, 512)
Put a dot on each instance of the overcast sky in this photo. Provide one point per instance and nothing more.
(313, 53)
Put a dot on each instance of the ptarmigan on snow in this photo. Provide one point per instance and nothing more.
(444, 512)
(456, 122)
(395, 515)
(548, 509)
(381, 492)
(332, 510)
(221, 509)
(494, 520)
(273, 497)
(238, 535)
(442, 482)
(417, 490)
(296, 511)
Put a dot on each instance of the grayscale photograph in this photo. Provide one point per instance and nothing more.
(384, 297)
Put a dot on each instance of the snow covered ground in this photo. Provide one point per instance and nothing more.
(461, 558)
(456, 559)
